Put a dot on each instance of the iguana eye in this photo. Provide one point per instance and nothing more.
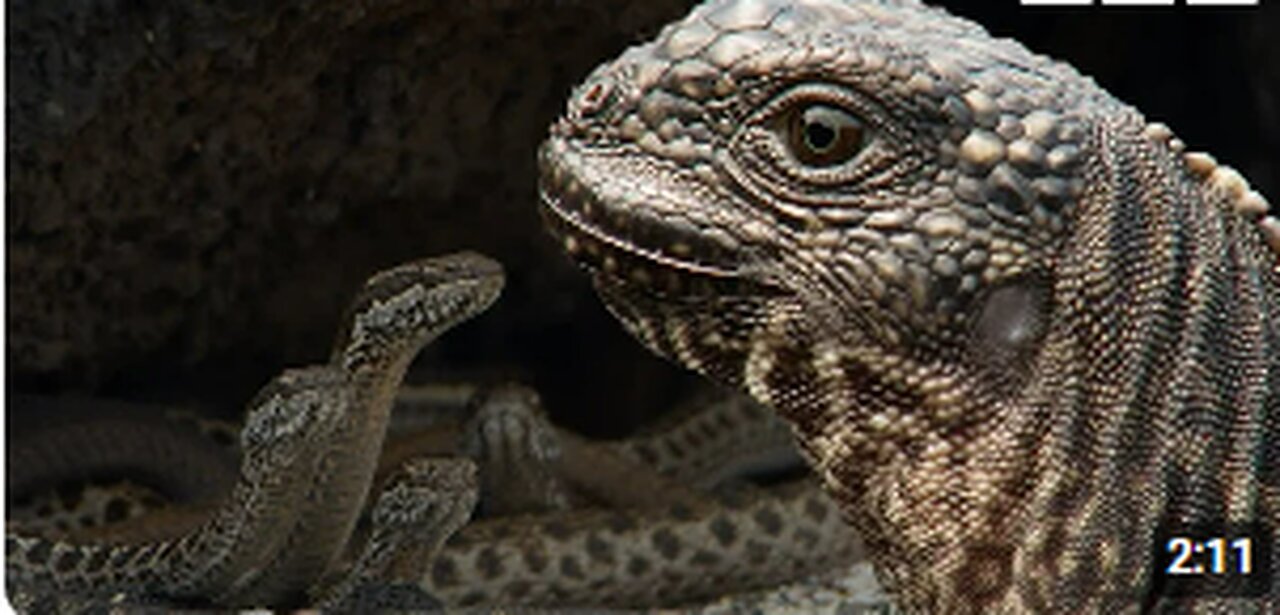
(822, 135)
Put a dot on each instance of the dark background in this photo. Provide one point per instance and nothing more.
(196, 189)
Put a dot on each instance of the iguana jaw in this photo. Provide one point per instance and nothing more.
(639, 247)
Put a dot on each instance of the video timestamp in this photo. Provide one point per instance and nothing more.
(1214, 560)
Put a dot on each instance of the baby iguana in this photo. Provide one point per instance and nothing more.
(1017, 329)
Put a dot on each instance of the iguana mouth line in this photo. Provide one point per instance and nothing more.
(626, 250)
(596, 244)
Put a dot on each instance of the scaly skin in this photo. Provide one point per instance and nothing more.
(1015, 326)
(532, 550)
(288, 426)
(57, 441)
(302, 488)
(610, 548)
(658, 557)
(397, 312)
(641, 539)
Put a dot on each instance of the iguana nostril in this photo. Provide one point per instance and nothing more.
(594, 99)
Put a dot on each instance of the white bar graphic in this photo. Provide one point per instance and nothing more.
(1222, 2)
(1056, 2)
(1137, 2)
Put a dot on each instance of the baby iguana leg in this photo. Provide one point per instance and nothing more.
(429, 501)
(290, 422)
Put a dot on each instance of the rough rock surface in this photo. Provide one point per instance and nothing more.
(194, 186)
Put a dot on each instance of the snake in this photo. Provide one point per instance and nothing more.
(310, 446)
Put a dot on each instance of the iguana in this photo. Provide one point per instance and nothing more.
(1017, 329)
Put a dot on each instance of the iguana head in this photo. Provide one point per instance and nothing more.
(842, 207)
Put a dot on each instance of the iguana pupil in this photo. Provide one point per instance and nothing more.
(822, 135)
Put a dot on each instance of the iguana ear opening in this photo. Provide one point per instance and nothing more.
(1009, 326)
